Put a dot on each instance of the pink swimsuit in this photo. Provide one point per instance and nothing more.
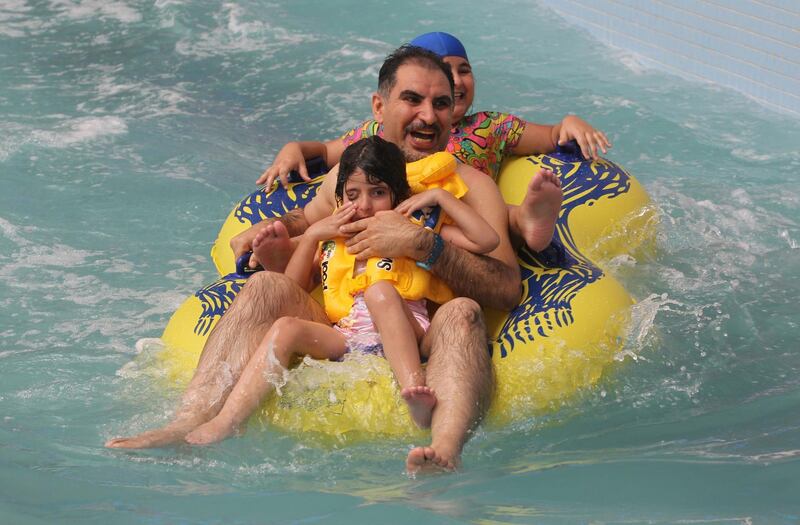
(360, 332)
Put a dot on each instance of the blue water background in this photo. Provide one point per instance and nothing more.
(128, 129)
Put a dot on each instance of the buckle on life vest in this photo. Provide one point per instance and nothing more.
(357, 284)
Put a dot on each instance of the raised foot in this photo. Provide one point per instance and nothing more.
(273, 247)
(421, 401)
(212, 432)
(426, 460)
(539, 210)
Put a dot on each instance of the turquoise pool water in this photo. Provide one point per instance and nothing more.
(127, 131)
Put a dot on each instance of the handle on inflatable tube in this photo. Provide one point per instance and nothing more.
(243, 271)
(315, 167)
(569, 152)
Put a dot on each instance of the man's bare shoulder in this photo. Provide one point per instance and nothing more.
(485, 198)
(477, 180)
(468, 173)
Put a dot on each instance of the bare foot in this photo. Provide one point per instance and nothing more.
(421, 401)
(160, 437)
(426, 460)
(212, 432)
(537, 215)
(273, 247)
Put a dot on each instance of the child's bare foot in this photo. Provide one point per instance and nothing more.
(537, 215)
(421, 401)
(273, 247)
(212, 432)
(427, 460)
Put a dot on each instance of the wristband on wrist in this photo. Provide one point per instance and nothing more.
(436, 251)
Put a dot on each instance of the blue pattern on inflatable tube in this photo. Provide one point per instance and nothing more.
(547, 297)
(216, 298)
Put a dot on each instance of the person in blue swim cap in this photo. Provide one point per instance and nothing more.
(480, 139)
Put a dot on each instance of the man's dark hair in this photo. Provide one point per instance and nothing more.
(387, 76)
(381, 161)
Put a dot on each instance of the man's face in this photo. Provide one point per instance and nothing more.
(417, 113)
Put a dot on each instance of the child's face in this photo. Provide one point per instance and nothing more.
(368, 198)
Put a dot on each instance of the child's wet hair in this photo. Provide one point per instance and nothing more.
(381, 161)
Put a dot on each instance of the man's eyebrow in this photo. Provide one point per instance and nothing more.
(410, 93)
(413, 94)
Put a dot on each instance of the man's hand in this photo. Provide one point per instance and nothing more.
(387, 234)
(289, 158)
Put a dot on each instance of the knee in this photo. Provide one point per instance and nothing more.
(260, 282)
(281, 337)
(380, 293)
(461, 311)
(268, 295)
(457, 330)
(457, 344)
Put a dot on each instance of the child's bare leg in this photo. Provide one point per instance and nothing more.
(288, 338)
(534, 220)
(400, 333)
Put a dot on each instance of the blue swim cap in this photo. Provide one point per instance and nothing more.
(443, 44)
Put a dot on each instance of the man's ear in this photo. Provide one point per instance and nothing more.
(377, 107)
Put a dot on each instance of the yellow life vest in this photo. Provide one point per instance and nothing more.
(412, 282)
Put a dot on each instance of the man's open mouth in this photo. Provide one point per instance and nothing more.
(423, 135)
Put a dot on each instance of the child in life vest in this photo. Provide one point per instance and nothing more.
(379, 318)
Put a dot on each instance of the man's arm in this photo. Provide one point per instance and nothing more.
(492, 280)
(489, 281)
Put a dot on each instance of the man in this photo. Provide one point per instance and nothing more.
(414, 102)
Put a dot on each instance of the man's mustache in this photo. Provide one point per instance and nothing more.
(421, 126)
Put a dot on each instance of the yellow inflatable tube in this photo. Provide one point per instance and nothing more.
(561, 338)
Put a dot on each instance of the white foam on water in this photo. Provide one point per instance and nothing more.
(83, 9)
(793, 244)
(74, 279)
(236, 31)
(633, 62)
(642, 327)
(606, 102)
(13, 7)
(14, 20)
(141, 100)
(732, 226)
(77, 131)
(12, 232)
(752, 155)
(367, 55)
(162, 4)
